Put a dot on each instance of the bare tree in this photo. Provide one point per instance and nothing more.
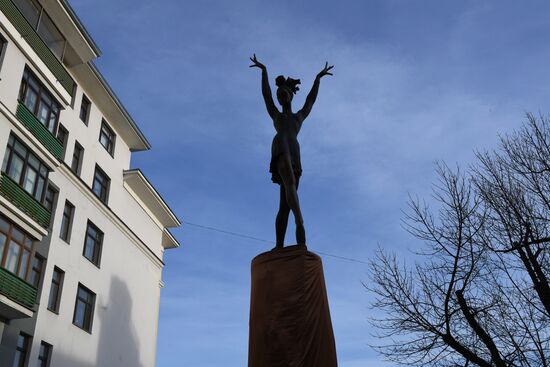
(479, 294)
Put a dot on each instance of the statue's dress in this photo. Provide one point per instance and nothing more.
(285, 142)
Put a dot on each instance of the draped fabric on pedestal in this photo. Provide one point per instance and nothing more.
(290, 322)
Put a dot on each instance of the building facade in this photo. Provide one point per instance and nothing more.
(82, 236)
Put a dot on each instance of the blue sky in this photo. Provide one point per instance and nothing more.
(414, 82)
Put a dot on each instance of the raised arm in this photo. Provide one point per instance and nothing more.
(266, 90)
(312, 96)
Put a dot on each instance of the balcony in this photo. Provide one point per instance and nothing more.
(37, 44)
(16, 290)
(24, 201)
(39, 131)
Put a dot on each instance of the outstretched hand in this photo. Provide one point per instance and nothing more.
(326, 71)
(256, 63)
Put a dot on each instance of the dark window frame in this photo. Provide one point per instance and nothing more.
(3, 47)
(68, 215)
(35, 273)
(96, 243)
(109, 134)
(44, 360)
(104, 182)
(54, 300)
(85, 102)
(50, 202)
(76, 162)
(23, 350)
(42, 93)
(11, 151)
(88, 320)
(63, 137)
(27, 244)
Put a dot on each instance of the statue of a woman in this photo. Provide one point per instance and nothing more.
(285, 166)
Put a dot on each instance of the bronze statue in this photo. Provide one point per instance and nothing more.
(285, 166)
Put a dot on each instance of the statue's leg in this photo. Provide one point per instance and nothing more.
(284, 167)
(282, 218)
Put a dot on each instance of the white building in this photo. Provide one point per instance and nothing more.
(82, 236)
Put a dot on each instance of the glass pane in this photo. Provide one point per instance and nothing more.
(6, 159)
(21, 341)
(52, 123)
(56, 276)
(89, 249)
(39, 188)
(16, 168)
(28, 242)
(64, 228)
(33, 162)
(29, 181)
(17, 235)
(17, 361)
(97, 188)
(52, 300)
(4, 225)
(104, 139)
(51, 35)
(30, 99)
(20, 148)
(43, 113)
(13, 256)
(3, 239)
(79, 313)
(30, 10)
(24, 264)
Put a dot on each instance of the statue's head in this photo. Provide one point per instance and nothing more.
(287, 88)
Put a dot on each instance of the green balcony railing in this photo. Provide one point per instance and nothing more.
(17, 289)
(24, 201)
(40, 131)
(37, 44)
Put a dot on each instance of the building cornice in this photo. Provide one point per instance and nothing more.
(150, 197)
(83, 31)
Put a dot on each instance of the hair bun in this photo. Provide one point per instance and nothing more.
(290, 83)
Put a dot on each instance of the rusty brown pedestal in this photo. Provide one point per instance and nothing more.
(290, 322)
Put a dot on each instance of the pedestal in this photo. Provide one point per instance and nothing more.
(290, 322)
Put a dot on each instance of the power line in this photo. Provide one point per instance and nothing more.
(236, 234)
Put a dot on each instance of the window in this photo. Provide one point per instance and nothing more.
(101, 184)
(16, 248)
(45, 354)
(36, 270)
(67, 222)
(49, 198)
(107, 138)
(93, 244)
(39, 101)
(51, 35)
(43, 24)
(62, 137)
(84, 308)
(85, 106)
(22, 166)
(3, 45)
(55, 289)
(22, 350)
(78, 154)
